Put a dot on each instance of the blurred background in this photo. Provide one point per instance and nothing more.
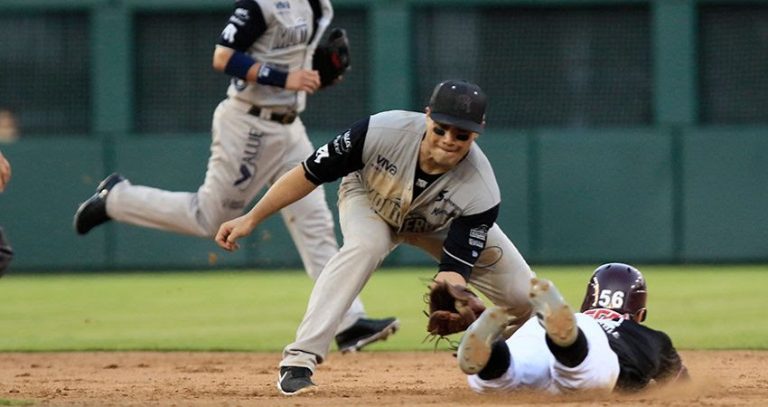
(619, 129)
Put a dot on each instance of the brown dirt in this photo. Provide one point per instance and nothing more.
(721, 378)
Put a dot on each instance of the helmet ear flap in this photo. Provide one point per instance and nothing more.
(639, 315)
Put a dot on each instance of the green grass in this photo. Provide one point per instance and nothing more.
(700, 307)
(6, 402)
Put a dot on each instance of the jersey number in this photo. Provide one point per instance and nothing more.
(611, 300)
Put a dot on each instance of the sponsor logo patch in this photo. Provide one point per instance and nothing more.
(480, 233)
(383, 164)
(342, 143)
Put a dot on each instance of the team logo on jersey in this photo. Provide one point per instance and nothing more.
(342, 143)
(416, 224)
(239, 17)
(242, 13)
(229, 32)
(388, 208)
(287, 37)
(282, 5)
(443, 210)
(383, 164)
(321, 153)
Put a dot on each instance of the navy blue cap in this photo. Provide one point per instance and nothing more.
(459, 103)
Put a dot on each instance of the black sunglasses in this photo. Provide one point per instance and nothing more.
(441, 132)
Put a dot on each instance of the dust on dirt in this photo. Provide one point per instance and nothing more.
(720, 378)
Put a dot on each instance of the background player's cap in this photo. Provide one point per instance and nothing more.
(458, 103)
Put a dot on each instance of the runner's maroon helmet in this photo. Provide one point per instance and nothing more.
(618, 287)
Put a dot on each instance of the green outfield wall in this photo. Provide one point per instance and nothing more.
(618, 129)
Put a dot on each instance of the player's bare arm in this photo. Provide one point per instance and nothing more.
(288, 189)
(299, 80)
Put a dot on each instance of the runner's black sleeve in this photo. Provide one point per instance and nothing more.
(644, 354)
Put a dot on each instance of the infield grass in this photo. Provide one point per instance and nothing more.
(701, 307)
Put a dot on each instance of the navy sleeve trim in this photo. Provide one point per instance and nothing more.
(344, 154)
(466, 240)
(245, 26)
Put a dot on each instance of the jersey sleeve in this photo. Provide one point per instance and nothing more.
(671, 368)
(645, 354)
(245, 25)
(466, 239)
(344, 154)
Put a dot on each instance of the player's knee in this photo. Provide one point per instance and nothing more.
(375, 250)
(208, 226)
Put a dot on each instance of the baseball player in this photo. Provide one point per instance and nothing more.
(603, 348)
(408, 177)
(268, 48)
(6, 253)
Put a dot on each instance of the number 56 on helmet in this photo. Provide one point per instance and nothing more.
(618, 287)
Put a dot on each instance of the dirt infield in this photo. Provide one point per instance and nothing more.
(721, 378)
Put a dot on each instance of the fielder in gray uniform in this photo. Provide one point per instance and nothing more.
(267, 48)
(408, 177)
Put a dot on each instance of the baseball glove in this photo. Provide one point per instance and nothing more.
(452, 308)
(331, 59)
(6, 253)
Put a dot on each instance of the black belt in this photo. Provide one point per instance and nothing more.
(283, 118)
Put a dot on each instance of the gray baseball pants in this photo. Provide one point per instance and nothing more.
(241, 144)
(501, 274)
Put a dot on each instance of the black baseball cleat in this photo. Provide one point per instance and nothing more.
(295, 380)
(364, 332)
(93, 212)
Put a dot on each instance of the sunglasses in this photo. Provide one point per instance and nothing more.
(460, 136)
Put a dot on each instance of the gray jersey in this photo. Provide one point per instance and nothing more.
(379, 156)
(381, 205)
(390, 157)
(291, 31)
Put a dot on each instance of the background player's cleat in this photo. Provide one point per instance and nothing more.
(475, 346)
(554, 314)
(364, 332)
(295, 380)
(93, 212)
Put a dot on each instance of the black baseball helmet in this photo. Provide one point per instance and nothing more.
(618, 287)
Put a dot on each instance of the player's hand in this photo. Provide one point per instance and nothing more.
(232, 230)
(303, 79)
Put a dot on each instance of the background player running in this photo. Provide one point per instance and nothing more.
(267, 48)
